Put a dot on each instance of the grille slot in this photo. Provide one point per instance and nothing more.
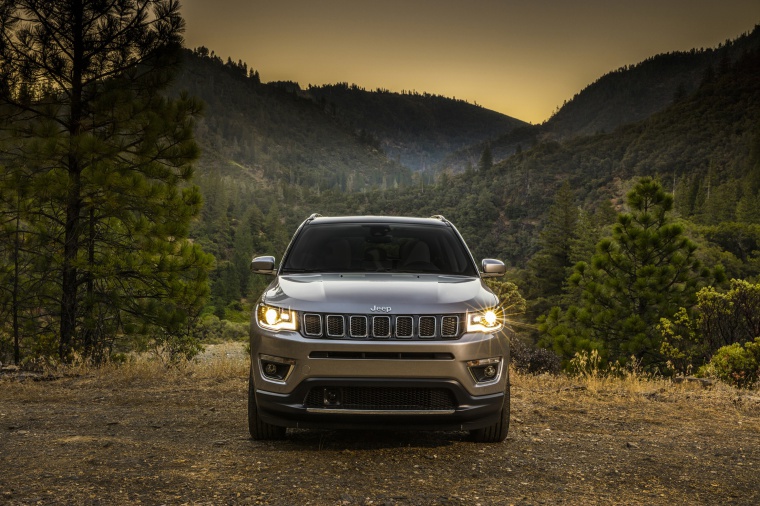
(404, 327)
(427, 327)
(335, 326)
(381, 327)
(449, 326)
(358, 326)
(386, 398)
(312, 325)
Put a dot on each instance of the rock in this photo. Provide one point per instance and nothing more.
(704, 382)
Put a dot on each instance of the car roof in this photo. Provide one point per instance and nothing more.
(407, 220)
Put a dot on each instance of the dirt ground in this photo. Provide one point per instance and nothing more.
(144, 435)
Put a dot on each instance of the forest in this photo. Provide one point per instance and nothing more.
(137, 185)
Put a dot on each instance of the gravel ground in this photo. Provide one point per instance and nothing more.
(180, 437)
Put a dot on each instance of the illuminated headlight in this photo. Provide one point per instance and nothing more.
(274, 318)
(486, 320)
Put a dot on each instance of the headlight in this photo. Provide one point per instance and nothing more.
(486, 320)
(274, 318)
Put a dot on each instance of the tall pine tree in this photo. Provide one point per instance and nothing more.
(81, 96)
(550, 265)
(645, 271)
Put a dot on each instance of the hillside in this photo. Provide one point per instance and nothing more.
(709, 143)
(269, 131)
(627, 95)
(418, 130)
(335, 136)
(635, 92)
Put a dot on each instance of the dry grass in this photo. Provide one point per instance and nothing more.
(229, 361)
(218, 363)
(142, 432)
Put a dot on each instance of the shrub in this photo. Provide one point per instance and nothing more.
(734, 364)
(719, 319)
(527, 359)
(210, 329)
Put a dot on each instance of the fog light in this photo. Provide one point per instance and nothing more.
(276, 368)
(485, 370)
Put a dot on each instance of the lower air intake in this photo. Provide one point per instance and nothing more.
(391, 399)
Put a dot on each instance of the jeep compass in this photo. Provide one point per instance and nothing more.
(378, 323)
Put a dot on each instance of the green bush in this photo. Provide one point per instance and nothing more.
(210, 329)
(737, 365)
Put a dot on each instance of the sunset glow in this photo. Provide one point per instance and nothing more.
(523, 59)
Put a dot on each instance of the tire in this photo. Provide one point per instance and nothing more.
(497, 432)
(259, 429)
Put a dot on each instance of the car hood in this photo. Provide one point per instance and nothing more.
(383, 293)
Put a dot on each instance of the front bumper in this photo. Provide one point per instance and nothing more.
(440, 366)
(289, 410)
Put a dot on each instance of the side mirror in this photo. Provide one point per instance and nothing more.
(492, 268)
(263, 265)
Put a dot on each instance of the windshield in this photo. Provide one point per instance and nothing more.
(378, 247)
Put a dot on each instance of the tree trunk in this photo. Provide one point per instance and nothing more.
(70, 252)
(16, 273)
(74, 200)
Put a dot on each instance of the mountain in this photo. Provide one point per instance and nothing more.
(336, 136)
(270, 132)
(621, 97)
(418, 130)
(635, 92)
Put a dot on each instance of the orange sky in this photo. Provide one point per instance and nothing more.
(521, 58)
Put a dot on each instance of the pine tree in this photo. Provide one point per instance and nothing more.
(549, 266)
(645, 271)
(81, 96)
(486, 160)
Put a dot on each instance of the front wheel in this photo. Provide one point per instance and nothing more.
(259, 429)
(497, 432)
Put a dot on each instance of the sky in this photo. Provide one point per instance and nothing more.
(521, 58)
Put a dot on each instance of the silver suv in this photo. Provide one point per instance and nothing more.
(378, 323)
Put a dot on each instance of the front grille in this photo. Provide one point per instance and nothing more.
(342, 326)
(385, 398)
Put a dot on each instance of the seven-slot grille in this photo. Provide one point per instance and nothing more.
(336, 326)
